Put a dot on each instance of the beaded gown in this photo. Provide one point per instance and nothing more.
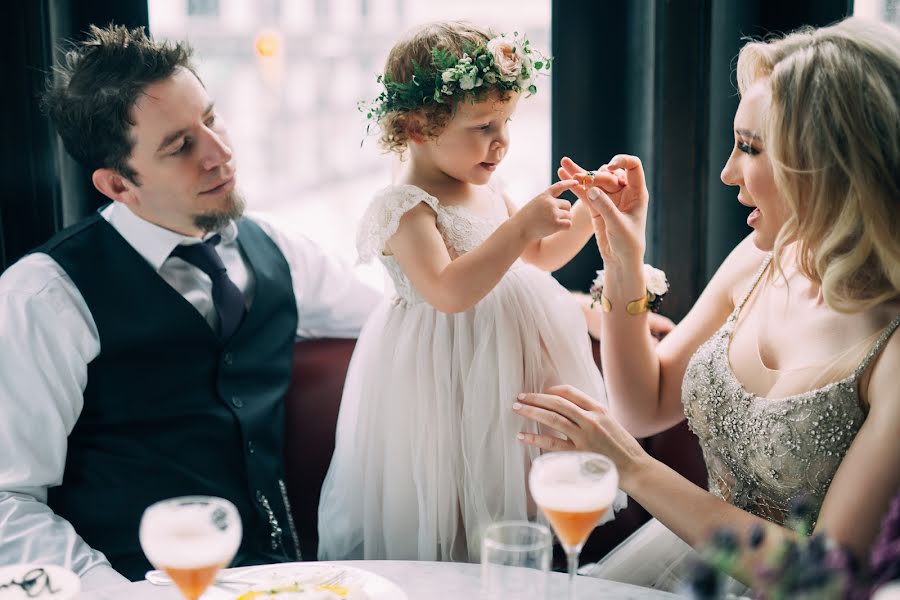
(760, 453)
(426, 452)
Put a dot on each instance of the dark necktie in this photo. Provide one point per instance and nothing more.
(227, 298)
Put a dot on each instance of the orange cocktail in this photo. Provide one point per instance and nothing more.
(194, 581)
(191, 538)
(575, 490)
(573, 527)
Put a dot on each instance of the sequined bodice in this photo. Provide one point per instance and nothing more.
(760, 453)
(461, 230)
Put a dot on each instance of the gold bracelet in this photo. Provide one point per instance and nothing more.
(635, 307)
(605, 303)
(641, 305)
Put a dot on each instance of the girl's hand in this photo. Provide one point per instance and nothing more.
(546, 214)
(586, 423)
(619, 212)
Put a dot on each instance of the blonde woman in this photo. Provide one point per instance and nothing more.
(786, 368)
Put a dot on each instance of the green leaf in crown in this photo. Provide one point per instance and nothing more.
(504, 63)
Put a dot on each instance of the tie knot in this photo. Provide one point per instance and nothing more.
(203, 256)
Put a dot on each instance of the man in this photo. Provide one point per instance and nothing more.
(145, 352)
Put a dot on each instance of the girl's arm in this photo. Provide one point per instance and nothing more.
(856, 501)
(455, 285)
(554, 251)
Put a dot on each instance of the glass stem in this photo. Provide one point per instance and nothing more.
(572, 558)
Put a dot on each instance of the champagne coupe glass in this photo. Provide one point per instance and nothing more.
(574, 489)
(191, 538)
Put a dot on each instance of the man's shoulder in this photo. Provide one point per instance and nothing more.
(32, 275)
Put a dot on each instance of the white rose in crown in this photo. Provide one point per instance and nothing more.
(656, 281)
(526, 73)
(507, 58)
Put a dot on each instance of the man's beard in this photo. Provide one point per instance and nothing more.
(216, 221)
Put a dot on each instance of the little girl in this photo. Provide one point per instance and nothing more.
(426, 453)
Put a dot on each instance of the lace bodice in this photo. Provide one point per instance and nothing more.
(761, 453)
(461, 229)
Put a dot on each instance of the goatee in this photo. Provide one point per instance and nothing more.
(215, 221)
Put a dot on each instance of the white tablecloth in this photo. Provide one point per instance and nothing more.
(420, 581)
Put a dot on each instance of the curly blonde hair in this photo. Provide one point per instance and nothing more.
(416, 48)
(832, 132)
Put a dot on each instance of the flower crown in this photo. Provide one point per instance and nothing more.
(503, 63)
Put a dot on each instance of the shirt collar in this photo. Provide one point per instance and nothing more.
(151, 241)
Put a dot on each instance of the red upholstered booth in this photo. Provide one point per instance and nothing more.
(312, 404)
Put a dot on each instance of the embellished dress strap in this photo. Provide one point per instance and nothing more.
(382, 217)
(876, 347)
(756, 279)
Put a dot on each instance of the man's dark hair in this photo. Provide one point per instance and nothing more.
(91, 93)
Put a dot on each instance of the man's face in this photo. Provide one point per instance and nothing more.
(183, 159)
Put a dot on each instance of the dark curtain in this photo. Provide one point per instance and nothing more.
(43, 189)
(655, 78)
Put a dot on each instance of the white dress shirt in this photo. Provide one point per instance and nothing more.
(48, 337)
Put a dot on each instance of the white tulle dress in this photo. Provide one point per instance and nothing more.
(426, 452)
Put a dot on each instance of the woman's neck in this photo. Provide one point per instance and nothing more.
(804, 291)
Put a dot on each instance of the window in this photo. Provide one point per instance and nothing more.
(287, 81)
(203, 8)
(881, 10)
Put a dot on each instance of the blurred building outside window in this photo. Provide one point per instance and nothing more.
(879, 10)
(286, 76)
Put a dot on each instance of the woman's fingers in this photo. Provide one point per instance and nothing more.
(554, 411)
(570, 165)
(576, 397)
(545, 442)
(602, 205)
(634, 169)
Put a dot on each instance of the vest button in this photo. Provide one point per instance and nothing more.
(236, 402)
(251, 448)
(228, 359)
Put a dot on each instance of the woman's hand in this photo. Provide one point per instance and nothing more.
(586, 423)
(618, 203)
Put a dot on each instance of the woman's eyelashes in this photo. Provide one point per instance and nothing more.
(746, 147)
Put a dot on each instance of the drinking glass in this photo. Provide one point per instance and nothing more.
(574, 489)
(515, 560)
(191, 538)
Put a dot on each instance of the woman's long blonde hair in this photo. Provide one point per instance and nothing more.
(833, 135)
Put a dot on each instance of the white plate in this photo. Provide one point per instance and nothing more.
(63, 582)
(365, 585)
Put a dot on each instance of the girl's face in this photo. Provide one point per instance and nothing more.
(750, 168)
(475, 140)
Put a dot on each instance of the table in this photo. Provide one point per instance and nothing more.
(420, 580)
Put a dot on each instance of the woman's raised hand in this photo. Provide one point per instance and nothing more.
(618, 201)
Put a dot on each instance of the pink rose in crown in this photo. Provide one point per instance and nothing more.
(507, 58)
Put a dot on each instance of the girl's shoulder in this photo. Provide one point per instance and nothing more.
(382, 218)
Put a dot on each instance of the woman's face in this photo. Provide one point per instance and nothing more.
(750, 169)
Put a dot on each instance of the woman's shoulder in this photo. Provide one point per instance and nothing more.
(740, 270)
